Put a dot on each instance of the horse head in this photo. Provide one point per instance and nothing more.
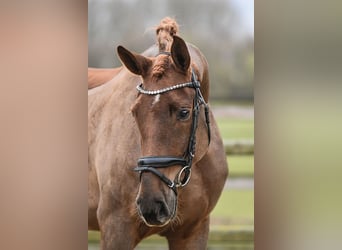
(168, 114)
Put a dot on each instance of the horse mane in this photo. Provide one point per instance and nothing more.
(165, 31)
(160, 66)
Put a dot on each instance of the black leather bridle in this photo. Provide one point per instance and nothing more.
(152, 163)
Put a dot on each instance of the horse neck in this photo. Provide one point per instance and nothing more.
(120, 83)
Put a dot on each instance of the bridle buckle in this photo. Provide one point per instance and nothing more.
(181, 182)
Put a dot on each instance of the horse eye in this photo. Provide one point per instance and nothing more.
(183, 114)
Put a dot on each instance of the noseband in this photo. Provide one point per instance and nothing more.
(152, 163)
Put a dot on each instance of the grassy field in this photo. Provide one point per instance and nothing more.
(235, 207)
(236, 128)
(241, 166)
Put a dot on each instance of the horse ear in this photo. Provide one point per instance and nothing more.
(135, 63)
(180, 53)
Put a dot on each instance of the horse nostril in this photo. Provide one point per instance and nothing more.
(162, 210)
(139, 201)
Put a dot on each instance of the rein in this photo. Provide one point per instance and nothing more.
(152, 163)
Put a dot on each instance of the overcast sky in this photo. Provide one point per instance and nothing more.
(246, 8)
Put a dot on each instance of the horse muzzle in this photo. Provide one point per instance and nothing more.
(155, 211)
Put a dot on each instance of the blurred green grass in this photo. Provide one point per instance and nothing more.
(236, 128)
(241, 166)
(235, 207)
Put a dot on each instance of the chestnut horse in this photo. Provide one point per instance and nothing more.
(156, 164)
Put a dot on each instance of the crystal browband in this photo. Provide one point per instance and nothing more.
(194, 84)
